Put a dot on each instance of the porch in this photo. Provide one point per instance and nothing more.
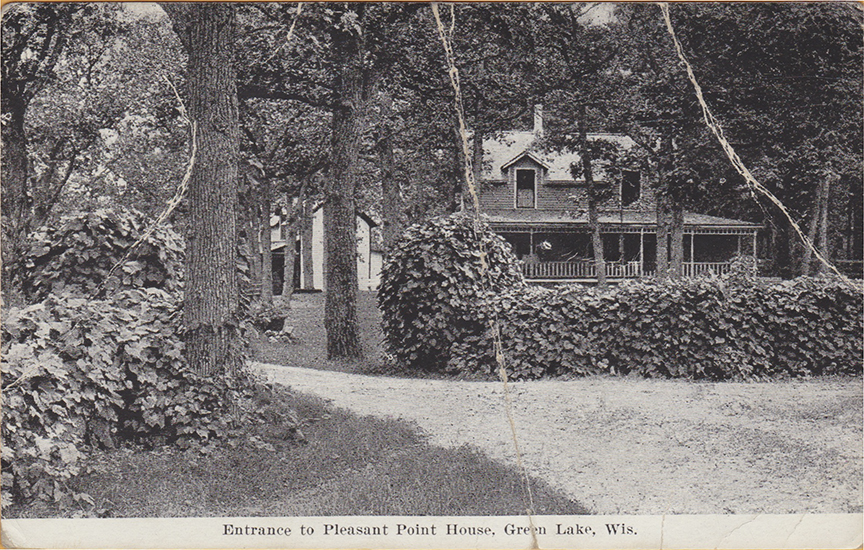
(553, 248)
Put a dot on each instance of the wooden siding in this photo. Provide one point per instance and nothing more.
(496, 196)
(557, 196)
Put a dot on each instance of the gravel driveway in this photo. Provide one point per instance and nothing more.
(635, 446)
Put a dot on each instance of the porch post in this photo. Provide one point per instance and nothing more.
(755, 270)
(739, 244)
(531, 242)
(692, 258)
(641, 251)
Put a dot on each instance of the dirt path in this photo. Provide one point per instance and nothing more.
(636, 446)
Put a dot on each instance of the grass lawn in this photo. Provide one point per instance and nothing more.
(350, 466)
(310, 348)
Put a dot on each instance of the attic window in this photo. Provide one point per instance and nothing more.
(526, 192)
(630, 187)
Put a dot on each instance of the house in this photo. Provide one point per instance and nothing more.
(310, 260)
(532, 200)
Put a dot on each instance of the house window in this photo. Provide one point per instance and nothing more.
(630, 187)
(526, 189)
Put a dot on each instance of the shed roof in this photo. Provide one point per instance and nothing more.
(558, 219)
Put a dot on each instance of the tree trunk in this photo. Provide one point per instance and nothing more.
(590, 186)
(290, 260)
(254, 246)
(307, 265)
(212, 297)
(340, 233)
(476, 159)
(621, 248)
(459, 174)
(663, 208)
(597, 244)
(812, 228)
(266, 243)
(15, 203)
(676, 242)
(825, 201)
(391, 195)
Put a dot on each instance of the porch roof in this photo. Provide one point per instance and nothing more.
(627, 220)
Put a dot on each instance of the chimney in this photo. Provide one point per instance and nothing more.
(538, 120)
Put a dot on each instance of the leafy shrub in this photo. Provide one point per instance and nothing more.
(79, 373)
(434, 287)
(269, 316)
(695, 328)
(77, 253)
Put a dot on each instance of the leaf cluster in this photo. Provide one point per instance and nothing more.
(77, 254)
(435, 284)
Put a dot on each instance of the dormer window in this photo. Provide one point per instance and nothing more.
(631, 187)
(526, 188)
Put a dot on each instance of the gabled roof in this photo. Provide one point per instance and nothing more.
(522, 155)
(501, 152)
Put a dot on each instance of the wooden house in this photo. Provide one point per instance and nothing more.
(532, 200)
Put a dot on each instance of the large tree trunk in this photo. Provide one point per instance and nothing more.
(663, 206)
(597, 244)
(593, 196)
(211, 301)
(14, 202)
(340, 233)
(460, 183)
(476, 159)
(676, 242)
(266, 243)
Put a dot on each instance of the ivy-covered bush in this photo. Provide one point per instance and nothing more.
(81, 373)
(713, 328)
(434, 287)
(77, 253)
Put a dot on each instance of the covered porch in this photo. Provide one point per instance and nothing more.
(562, 251)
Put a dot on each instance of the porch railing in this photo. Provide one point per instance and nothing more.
(697, 269)
(614, 270)
(579, 270)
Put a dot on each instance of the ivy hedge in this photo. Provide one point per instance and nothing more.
(79, 374)
(83, 372)
(434, 286)
(438, 300)
(711, 328)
